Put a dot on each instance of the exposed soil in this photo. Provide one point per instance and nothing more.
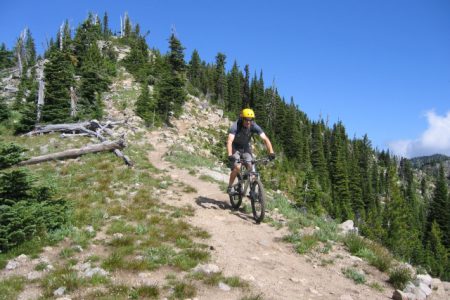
(255, 252)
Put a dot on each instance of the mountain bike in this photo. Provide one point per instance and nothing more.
(250, 178)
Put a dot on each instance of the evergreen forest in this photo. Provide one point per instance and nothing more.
(318, 165)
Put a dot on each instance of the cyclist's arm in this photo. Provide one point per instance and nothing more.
(230, 144)
(267, 142)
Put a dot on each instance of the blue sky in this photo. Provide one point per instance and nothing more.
(382, 67)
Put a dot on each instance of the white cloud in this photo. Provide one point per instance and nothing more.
(435, 139)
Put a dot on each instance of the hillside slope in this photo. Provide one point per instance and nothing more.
(174, 196)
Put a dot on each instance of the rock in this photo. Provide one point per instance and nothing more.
(249, 277)
(207, 269)
(118, 235)
(399, 295)
(346, 227)
(315, 292)
(425, 288)
(224, 287)
(95, 271)
(60, 291)
(90, 229)
(345, 297)
(34, 275)
(426, 279)
(410, 288)
(12, 265)
(420, 295)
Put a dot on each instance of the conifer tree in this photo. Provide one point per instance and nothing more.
(67, 37)
(439, 209)
(438, 260)
(355, 182)
(59, 78)
(145, 106)
(136, 61)
(339, 173)
(87, 34)
(4, 110)
(128, 28)
(176, 55)
(194, 69)
(234, 90)
(6, 57)
(106, 31)
(94, 81)
(398, 234)
(246, 87)
(220, 80)
(318, 156)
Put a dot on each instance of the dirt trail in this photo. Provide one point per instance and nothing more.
(254, 252)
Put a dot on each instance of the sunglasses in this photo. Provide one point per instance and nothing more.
(248, 119)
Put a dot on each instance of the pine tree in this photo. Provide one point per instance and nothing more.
(439, 210)
(246, 88)
(6, 57)
(137, 62)
(194, 69)
(339, 173)
(87, 34)
(355, 181)
(59, 78)
(106, 31)
(318, 156)
(220, 80)
(398, 235)
(4, 110)
(438, 260)
(234, 90)
(145, 107)
(94, 81)
(176, 55)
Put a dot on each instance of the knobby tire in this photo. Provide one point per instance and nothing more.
(258, 201)
(236, 198)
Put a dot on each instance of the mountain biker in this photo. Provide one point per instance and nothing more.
(238, 143)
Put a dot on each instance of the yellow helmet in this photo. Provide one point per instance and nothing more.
(248, 113)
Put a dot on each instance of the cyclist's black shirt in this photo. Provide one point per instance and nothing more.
(242, 135)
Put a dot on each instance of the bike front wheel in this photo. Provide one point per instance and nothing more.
(258, 200)
(236, 197)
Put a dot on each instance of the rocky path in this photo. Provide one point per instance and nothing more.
(255, 252)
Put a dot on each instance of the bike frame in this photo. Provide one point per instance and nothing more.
(247, 176)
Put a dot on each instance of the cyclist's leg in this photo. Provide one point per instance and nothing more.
(235, 168)
(248, 157)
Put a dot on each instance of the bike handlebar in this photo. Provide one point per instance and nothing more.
(263, 161)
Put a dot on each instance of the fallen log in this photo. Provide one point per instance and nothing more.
(125, 158)
(72, 153)
(90, 126)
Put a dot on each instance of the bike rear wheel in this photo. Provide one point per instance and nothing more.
(236, 197)
(258, 200)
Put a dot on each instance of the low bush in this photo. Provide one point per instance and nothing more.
(399, 277)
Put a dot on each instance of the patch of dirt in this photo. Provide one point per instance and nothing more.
(255, 252)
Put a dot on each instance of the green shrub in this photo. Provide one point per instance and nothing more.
(354, 243)
(11, 287)
(399, 277)
(357, 277)
(10, 154)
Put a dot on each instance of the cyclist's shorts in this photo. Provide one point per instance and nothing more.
(241, 155)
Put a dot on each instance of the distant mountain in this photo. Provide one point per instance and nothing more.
(430, 164)
(420, 161)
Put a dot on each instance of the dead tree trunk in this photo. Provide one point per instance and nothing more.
(72, 153)
(73, 102)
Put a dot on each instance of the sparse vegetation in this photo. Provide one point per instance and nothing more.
(355, 275)
(11, 287)
(375, 254)
(399, 276)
